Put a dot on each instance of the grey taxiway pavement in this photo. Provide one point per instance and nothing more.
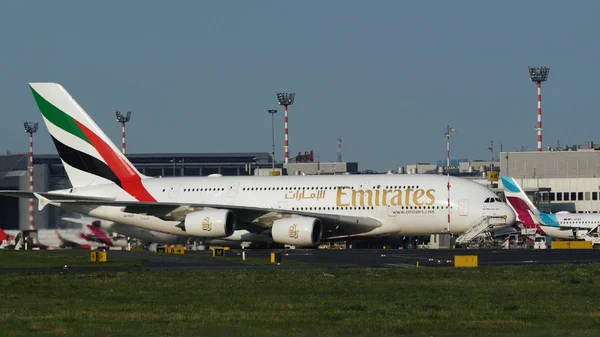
(324, 258)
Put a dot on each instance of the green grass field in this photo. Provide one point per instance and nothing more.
(490, 301)
(55, 259)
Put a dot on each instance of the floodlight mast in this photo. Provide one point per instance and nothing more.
(447, 134)
(272, 112)
(123, 119)
(491, 148)
(31, 128)
(539, 75)
(286, 99)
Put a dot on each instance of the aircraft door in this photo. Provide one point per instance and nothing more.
(233, 188)
(173, 191)
(463, 207)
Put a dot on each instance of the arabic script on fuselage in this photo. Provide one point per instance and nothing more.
(347, 196)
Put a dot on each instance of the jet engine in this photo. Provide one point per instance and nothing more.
(297, 231)
(209, 223)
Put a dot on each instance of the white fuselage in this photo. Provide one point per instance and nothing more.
(51, 238)
(570, 226)
(403, 204)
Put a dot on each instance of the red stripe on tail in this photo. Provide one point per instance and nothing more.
(130, 180)
(522, 210)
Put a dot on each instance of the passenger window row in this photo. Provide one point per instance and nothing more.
(360, 208)
(203, 189)
(317, 188)
(212, 189)
(581, 222)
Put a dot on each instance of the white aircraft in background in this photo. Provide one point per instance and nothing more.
(293, 210)
(151, 238)
(562, 225)
(86, 237)
(144, 235)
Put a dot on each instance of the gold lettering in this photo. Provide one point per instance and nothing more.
(397, 199)
(362, 197)
(430, 196)
(418, 195)
(338, 199)
(384, 197)
(407, 196)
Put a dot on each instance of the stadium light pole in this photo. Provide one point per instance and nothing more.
(31, 128)
(491, 148)
(539, 75)
(286, 99)
(447, 134)
(273, 112)
(123, 119)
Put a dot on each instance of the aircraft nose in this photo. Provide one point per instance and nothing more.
(511, 217)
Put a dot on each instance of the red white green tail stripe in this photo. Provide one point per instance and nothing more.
(90, 158)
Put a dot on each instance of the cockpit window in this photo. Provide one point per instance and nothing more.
(498, 200)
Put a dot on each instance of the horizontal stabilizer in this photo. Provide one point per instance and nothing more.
(49, 198)
(51, 195)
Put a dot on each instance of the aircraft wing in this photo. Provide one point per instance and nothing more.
(257, 218)
(77, 221)
(333, 224)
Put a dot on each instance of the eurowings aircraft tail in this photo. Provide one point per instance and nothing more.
(526, 211)
(88, 155)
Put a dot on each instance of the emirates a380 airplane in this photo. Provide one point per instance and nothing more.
(294, 210)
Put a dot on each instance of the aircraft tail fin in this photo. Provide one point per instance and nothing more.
(516, 198)
(5, 236)
(88, 155)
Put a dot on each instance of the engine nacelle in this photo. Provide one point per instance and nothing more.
(210, 223)
(297, 231)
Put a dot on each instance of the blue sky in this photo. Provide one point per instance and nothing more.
(386, 76)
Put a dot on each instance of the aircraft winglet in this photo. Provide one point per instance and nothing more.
(42, 201)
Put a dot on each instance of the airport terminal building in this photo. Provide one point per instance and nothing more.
(565, 179)
(572, 177)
